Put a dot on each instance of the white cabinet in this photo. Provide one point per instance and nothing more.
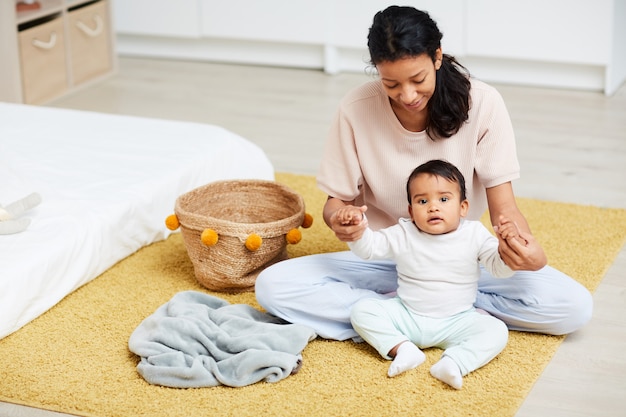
(549, 42)
(179, 18)
(574, 44)
(577, 32)
(286, 21)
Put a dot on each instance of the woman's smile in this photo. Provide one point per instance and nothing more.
(414, 105)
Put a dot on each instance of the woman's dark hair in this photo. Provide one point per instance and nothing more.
(441, 169)
(404, 32)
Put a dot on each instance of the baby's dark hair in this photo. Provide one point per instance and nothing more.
(441, 169)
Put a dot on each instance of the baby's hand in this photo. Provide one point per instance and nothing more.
(350, 215)
(508, 230)
(517, 248)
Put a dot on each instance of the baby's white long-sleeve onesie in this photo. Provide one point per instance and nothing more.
(437, 274)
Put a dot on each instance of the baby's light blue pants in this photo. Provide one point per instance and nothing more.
(469, 338)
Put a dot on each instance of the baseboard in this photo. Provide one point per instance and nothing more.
(333, 60)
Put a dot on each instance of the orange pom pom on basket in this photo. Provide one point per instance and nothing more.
(248, 220)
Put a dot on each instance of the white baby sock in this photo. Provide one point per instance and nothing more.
(446, 370)
(408, 356)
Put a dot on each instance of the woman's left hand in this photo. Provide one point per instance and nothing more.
(518, 248)
(521, 251)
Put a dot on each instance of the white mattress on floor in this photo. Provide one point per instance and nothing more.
(107, 183)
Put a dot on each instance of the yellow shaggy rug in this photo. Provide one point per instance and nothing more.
(75, 358)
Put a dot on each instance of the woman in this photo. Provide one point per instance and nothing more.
(424, 106)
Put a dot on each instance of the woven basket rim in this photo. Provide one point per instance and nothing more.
(194, 221)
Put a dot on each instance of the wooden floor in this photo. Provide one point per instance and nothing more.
(571, 146)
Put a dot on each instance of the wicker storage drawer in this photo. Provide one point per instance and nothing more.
(90, 48)
(42, 56)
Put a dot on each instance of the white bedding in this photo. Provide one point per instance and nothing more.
(107, 183)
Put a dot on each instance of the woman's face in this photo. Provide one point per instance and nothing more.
(410, 82)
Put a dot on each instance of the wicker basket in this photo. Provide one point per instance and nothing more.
(235, 209)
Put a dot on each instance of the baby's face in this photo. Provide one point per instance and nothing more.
(436, 206)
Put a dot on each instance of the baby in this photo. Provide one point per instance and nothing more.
(438, 255)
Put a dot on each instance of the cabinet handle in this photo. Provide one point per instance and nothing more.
(89, 31)
(46, 45)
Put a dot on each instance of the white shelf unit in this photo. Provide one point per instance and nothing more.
(52, 50)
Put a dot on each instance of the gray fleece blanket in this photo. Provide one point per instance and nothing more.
(197, 340)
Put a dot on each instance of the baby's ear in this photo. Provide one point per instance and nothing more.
(464, 207)
(9, 227)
